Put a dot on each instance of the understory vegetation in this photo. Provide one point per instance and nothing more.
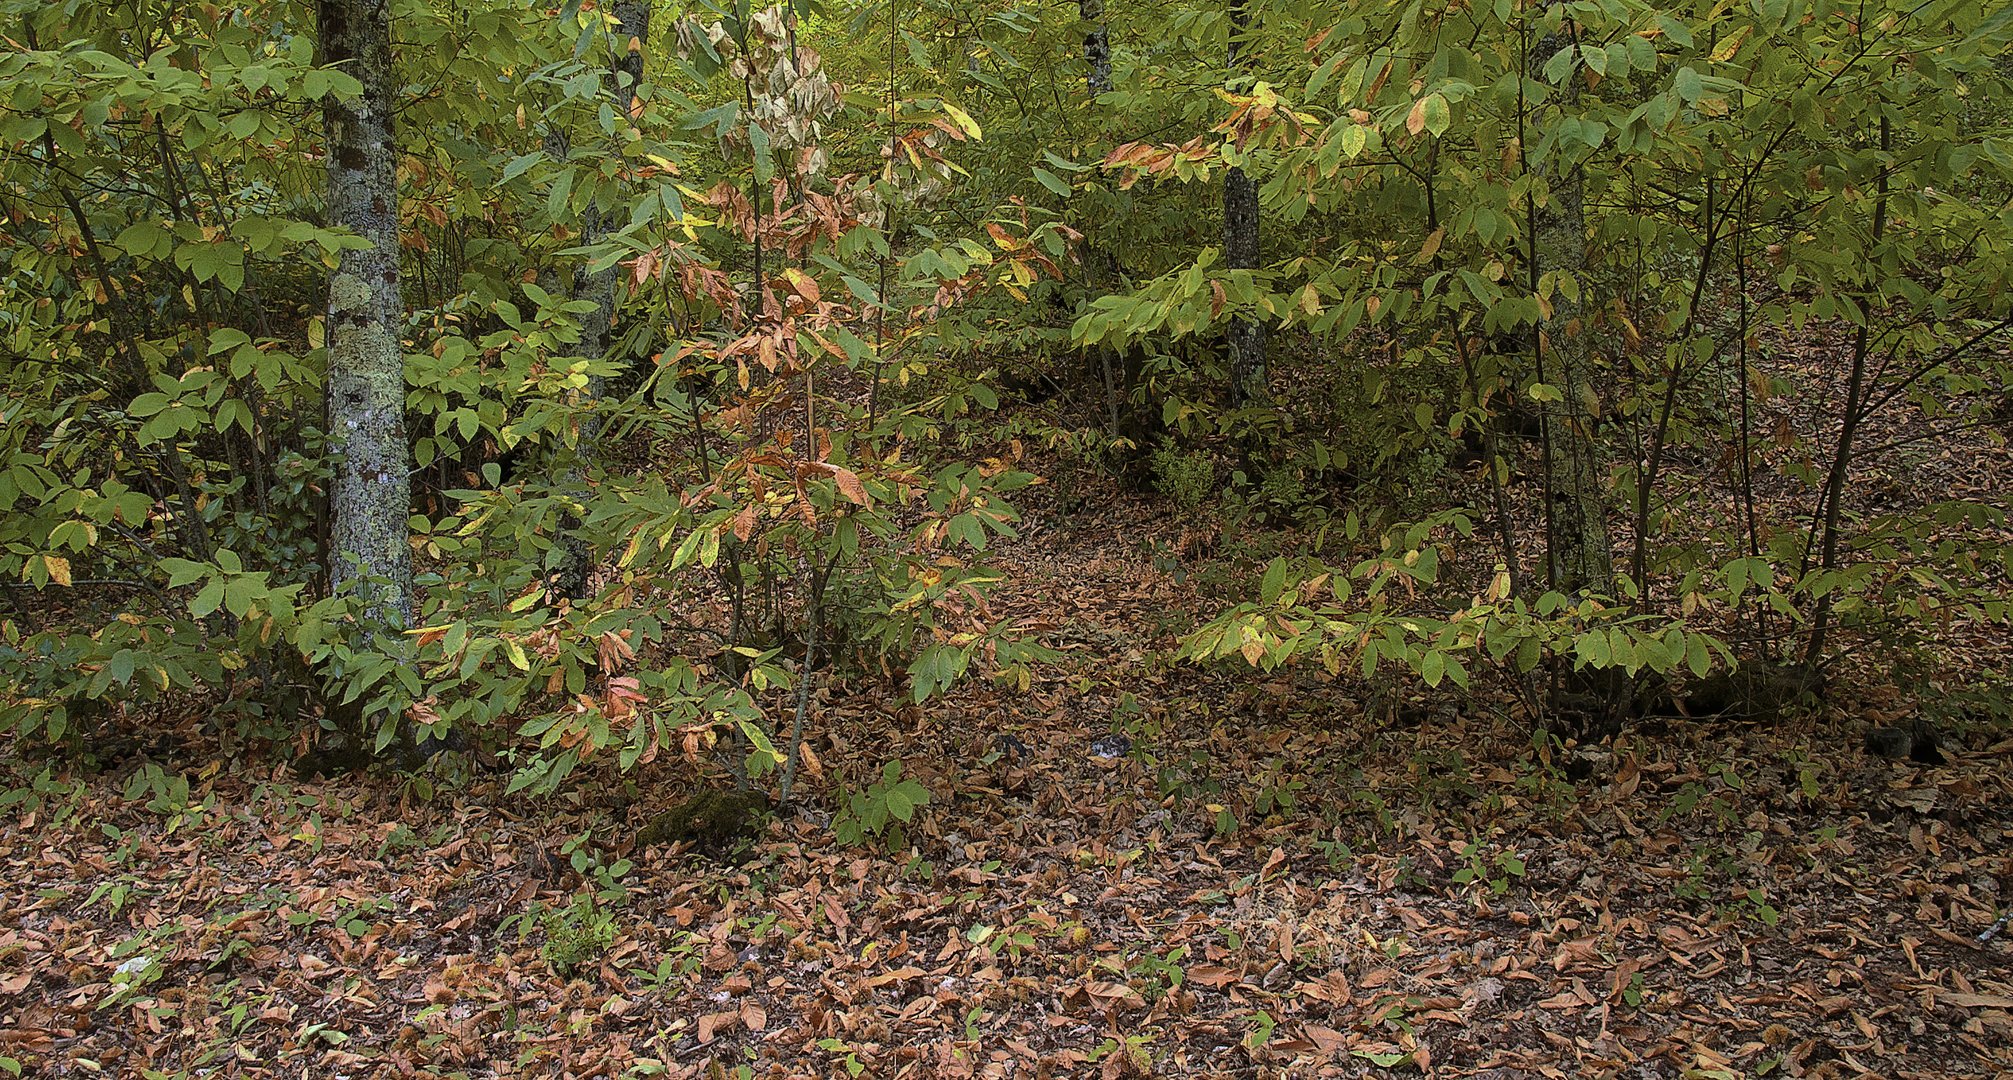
(1005, 537)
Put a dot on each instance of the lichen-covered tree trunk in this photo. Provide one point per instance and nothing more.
(1247, 337)
(1579, 551)
(369, 550)
(1096, 46)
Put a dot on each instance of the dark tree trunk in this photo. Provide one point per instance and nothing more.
(1841, 459)
(1247, 337)
(631, 36)
(1096, 46)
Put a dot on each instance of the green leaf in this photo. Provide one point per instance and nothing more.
(1688, 85)
(1274, 582)
(208, 600)
(1432, 667)
(183, 571)
(519, 165)
(759, 150)
(1439, 117)
(557, 200)
(1591, 649)
(1558, 66)
(1696, 656)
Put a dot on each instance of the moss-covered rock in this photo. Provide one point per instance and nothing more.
(1756, 690)
(717, 824)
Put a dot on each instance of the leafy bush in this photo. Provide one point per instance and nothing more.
(1186, 476)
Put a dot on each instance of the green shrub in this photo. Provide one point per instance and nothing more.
(1186, 476)
(576, 934)
(881, 810)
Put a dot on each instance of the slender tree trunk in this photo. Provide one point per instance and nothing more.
(1580, 555)
(1100, 265)
(631, 35)
(369, 551)
(1841, 460)
(1247, 337)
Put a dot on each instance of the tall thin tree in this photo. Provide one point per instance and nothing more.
(1100, 262)
(369, 550)
(630, 37)
(1247, 337)
(1580, 554)
(1096, 46)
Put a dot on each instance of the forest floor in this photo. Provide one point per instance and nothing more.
(1131, 868)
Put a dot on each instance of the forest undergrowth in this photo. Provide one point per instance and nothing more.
(1134, 867)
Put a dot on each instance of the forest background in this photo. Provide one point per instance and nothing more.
(1361, 438)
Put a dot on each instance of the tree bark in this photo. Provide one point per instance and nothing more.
(1096, 47)
(1247, 337)
(1841, 459)
(1100, 264)
(369, 549)
(1580, 555)
(631, 35)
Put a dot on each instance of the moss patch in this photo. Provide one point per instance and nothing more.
(717, 824)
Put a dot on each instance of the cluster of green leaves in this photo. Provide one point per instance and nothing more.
(162, 453)
(1750, 173)
(880, 809)
(1382, 611)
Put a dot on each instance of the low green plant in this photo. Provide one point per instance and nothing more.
(1134, 1054)
(1277, 792)
(168, 795)
(1262, 1026)
(1186, 476)
(1493, 872)
(586, 861)
(881, 809)
(1155, 975)
(576, 934)
(849, 1058)
(143, 959)
(1013, 940)
(680, 961)
(1753, 904)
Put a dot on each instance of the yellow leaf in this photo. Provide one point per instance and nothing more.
(1431, 247)
(963, 118)
(1415, 121)
(59, 569)
(1730, 46)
